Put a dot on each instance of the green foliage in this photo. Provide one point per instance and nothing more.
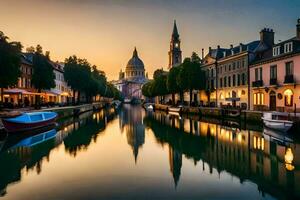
(172, 84)
(10, 60)
(43, 75)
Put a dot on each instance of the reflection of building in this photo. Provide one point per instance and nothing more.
(131, 121)
(270, 163)
(275, 74)
(175, 161)
(131, 81)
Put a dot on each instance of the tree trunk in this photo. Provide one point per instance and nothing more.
(78, 97)
(191, 96)
(173, 99)
(181, 97)
(2, 95)
(73, 98)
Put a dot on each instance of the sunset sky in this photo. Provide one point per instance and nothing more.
(105, 32)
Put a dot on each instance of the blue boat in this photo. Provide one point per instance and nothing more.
(29, 121)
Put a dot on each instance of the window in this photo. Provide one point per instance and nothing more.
(233, 80)
(221, 82)
(276, 51)
(288, 97)
(289, 68)
(239, 80)
(233, 66)
(273, 72)
(258, 99)
(225, 81)
(243, 79)
(288, 47)
(258, 74)
(238, 64)
(229, 67)
(229, 81)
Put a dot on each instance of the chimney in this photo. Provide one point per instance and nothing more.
(209, 50)
(298, 29)
(224, 54)
(231, 47)
(202, 51)
(218, 47)
(267, 36)
(241, 47)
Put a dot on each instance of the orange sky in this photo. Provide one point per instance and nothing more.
(105, 32)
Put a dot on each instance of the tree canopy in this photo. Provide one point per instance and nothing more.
(10, 60)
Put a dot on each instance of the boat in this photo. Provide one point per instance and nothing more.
(273, 135)
(29, 121)
(277, 120)
(175, 109)
(149, 106)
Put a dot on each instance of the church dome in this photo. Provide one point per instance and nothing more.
(135, 63)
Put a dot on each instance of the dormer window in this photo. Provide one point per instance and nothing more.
(288, 47)
(276, 51)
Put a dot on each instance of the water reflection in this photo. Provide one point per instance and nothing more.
(31, 150)
(131, 122)
(268, 161)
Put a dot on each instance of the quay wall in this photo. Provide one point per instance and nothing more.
(246, 115)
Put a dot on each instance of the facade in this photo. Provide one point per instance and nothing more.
(208, 97)
(275, 76)
(175, 54)
(131, 81)
(232, 71)
(62, 92)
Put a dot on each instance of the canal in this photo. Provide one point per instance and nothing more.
(133, 154)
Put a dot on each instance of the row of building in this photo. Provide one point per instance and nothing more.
(23, 94)
(258, 75)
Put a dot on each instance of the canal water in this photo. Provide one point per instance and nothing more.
(133, 154)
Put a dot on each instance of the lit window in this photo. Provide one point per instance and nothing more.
(288, 97)
(258, 99)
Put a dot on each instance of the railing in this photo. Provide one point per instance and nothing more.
(289, 79)
(273, 81)
(258, 83)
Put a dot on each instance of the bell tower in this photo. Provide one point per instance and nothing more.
(175, 57)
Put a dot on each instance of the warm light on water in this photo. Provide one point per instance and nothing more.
(140, 156)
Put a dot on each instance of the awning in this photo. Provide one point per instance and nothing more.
(19, 91)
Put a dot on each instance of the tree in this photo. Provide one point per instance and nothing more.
(195, 58)
(191, 77)
(10, 60)
(43, 75)
(172, 84)
(160, 84)
(78, 75)
(30, 49)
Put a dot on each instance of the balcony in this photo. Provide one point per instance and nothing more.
(258, 83)
(289, 79)
(273, 81)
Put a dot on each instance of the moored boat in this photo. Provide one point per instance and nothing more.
(277, 121)
(175, 109)
(29, 121)
(149, 106)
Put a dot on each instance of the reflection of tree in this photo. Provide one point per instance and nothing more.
(131, 121)
(222, 150)
(13, 160)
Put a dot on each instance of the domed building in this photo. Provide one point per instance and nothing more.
(131, 81)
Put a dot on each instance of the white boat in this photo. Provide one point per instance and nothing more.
(149, 106)
(277, 121)
(175, 109)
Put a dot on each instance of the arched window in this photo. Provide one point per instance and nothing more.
(288, 97)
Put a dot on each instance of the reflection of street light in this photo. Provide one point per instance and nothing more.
(288, 158)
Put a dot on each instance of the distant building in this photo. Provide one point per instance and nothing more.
(131, 81)
(275, 74)
(175, 54)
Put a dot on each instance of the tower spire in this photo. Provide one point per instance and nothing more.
(175, 30)
(135, 53)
